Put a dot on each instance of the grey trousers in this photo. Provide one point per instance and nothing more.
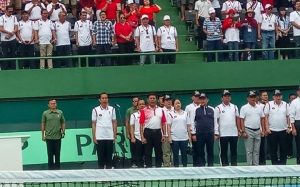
(252, 145)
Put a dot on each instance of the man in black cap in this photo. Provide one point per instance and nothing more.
(205, 131)
(228, 127)
(191, 110)
(252, 123)
(277, 126)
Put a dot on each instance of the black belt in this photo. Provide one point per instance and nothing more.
(152, 129)
(252, 129)
(267, 31)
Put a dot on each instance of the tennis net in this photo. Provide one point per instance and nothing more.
(288, 176)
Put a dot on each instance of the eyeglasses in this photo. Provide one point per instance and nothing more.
(122, 17)
(269, 8)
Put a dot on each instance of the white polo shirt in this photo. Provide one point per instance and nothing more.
(191, 111)
(146, 35)
(168, 37)
(268, 22)
(44, 29)
(295, 17)
(83, 29)
(104, 118)
(54, 15)
(277, 115)
(135, 121)
(295, 110)
(35, 12)
(168, 117)
(179, 125)
(226, 119)
(252, 115)
(26, 29)
(236, 5)
(202, 8)
(257, 8)
(8, 24)
(62, 31)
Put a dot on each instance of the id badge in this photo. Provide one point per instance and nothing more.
(216, 33)
(270, 25)
(168, 38)
(249, 29)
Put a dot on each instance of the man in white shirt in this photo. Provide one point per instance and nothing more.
(25, 36)
(54, 8)
(8, 29)
(290, 138)
(44, 37)
(167, 40)
(83, 34)
(277, 121)
(252, 117)
(295, 21)
(231, 4)
(295, 122)
(104, 131)
(62, 30)
(228, 125)
(146, 40)
(257, 7)
(261, 100)
(34, 9)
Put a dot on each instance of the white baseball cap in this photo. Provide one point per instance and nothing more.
(144, 16)
(211, 10)
(268, 6)
(166, 17)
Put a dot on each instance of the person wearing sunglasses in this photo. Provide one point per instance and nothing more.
(257, 7)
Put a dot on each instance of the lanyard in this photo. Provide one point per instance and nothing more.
(269, 18)
(168, 30)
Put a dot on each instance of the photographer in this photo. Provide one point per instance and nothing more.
(34, 9)
(54, 9)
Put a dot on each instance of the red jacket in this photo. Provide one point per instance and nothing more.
(228, 23)
(251, 21)
(149, 11)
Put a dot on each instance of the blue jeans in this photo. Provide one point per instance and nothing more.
(213, 45)
(268, 41)
(182, 146)
(233, 56)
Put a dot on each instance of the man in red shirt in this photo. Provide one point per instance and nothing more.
(153, 122)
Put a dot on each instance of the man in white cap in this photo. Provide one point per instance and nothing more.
(295, 21)
(266, 31)
(167, 40)
(212, 27)
(146, 40)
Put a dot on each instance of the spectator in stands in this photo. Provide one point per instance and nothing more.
(180, 133)
(231, 4)
(266, 31)
(34, 9)
(166, 145)
(110, 8)
(26, 36)
(103, 39)
(212, 27)
(146, 40)
(71, 5)
(53, 130)
(54, 8)
(167, 40)
(150, 10)
(83, 34)
(87, 6)
(217, 6)
(257, 7)
(283, 39)
(284, 3)
(104, 131)
(8, 29)
(251, 124)
(131, 12)
(231, 27)
(265, 2)
(228, 128)
(295, 21)
(44, 37)
(62, 29)
(201, 8)
(249, 33)
(182, 4)
(124, 35)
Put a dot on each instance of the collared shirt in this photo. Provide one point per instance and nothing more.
(26, 30)
(168, 116)
(268, 22)
(277, 115)
(83, 29)
(53, 121)
(44, 30)
(103, 31)
(135, 121)
(226, 119)
(146, 35)
(56, 10)
(191, 111)
(213, 26)
(104, 118)
(179, 125)
(152, 118)
(205, 120)
(252, 115)
(295, 110)
(35, 13)
(168, 37)
(202, 8)
(295, 17)
(8, 24)
(62, 32)
(283, 22)
(123, 29)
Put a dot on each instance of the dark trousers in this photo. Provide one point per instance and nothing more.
(63, 50)
(27, 51)
(213, 45)
(53, 151)
(153, 137)
(201, 34)
(84, 50)
(182, 146)
(195, 156)
(277, 139)
(205, 140)
(262, 151)
(168, 59)
(289, 144)
(137, 153)
(297, 139)
(124, 48)
(230, 141)
(104, 153)
(9, 50)
(103, 49)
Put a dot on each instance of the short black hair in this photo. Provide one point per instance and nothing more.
(292, 94)
(152, 94)
(102, 93)
(51, 99)
(8, 7)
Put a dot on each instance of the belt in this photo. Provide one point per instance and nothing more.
(152, 129)
(252, 129)
(267, 31)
